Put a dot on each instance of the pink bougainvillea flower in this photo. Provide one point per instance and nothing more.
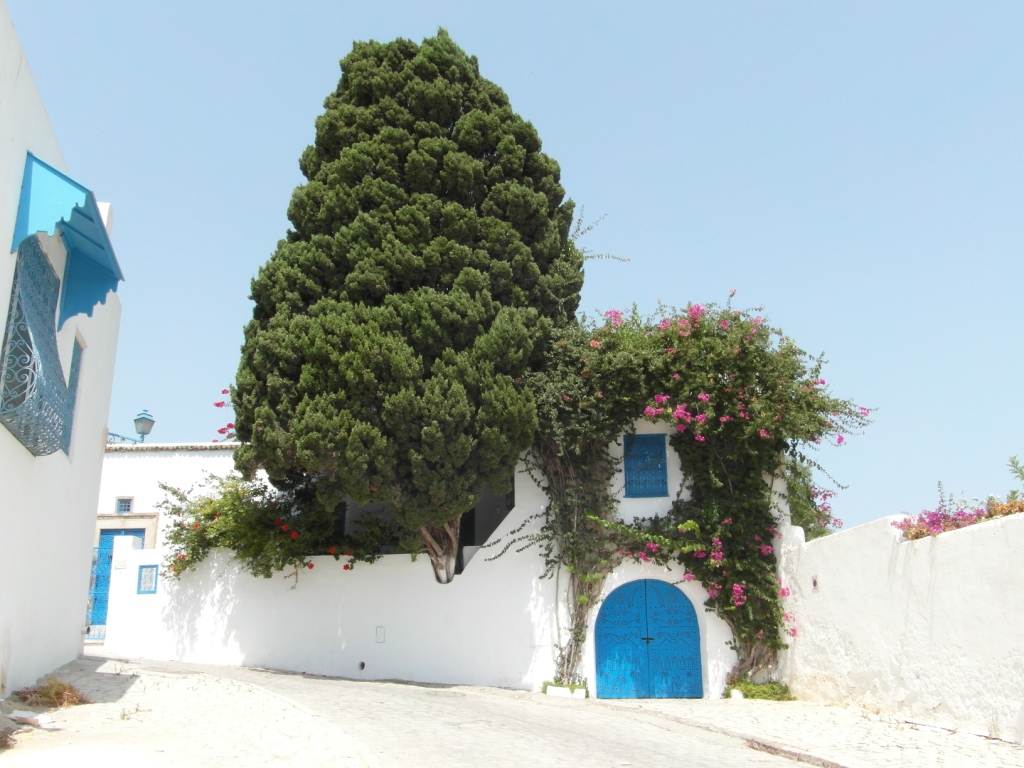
(219, 404)
(225, 391)
(763, 433)
(792, 631)
(703, 397)
(615, 316)
(659, 399)
(688, 577)
(766, 549)
(784, 592)
(699, 438)
(595, 343)
(840, 439)
(675, 375)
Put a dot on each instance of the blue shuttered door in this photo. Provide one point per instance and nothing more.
(103, 559)
(621, 651)
(647, 643)
(674, 648)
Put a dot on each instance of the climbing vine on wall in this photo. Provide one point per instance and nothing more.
(743, 401)
(746, 405)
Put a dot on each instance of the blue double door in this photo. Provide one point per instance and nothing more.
(103, 559)
(647, 643)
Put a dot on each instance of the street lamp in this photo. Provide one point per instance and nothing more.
(143, 424)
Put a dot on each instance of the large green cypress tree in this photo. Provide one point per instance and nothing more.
(429, 257)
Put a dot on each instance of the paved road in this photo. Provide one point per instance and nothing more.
(405, 725)
(261, 717)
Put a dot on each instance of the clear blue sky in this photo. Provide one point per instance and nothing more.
(855, 167)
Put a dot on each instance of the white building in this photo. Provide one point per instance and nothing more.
(498, 623)
(61, 320)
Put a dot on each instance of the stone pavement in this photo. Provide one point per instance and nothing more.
(172, 713)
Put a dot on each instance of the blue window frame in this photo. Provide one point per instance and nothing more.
(147, 579)
(646, 467)
(124, 506)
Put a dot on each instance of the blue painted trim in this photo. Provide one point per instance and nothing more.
(54, 203)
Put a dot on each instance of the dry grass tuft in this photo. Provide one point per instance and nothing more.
(52, 692)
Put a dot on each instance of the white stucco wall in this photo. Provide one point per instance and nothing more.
(51, 500)
(496, 624)
(931, 631)
(491, 626)
(136, 471)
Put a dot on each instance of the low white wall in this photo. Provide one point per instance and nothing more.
(496, 624)
(491, 626)
(929, 630)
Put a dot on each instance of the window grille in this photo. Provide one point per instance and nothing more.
(36, 405)
(646, 468)
(124, 506)
(147, 580)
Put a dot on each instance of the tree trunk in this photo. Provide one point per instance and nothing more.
(442, 543)
(582, 597)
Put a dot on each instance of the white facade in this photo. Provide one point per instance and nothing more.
(496, 624)
(48, 502)
(931, 631)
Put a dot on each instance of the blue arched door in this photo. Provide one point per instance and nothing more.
(648, 644)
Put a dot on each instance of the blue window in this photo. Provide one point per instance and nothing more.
(147, 580)
(36, 404)
(646, 468)
(124, 506)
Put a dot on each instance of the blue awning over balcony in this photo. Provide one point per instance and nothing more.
(54, 203)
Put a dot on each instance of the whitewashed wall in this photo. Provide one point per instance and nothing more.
(47, 504)
(931, 631)
(135, 471)
(496, 624)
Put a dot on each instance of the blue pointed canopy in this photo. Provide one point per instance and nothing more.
(54, 203)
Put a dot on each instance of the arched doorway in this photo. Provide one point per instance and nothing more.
(647, 643)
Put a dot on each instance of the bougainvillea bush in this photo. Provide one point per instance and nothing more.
(950, 515)
(267, 531)
(744, 402)
(745, 405)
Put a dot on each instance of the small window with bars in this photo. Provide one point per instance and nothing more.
(124, 506)
(646, 468)
(147, 579)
